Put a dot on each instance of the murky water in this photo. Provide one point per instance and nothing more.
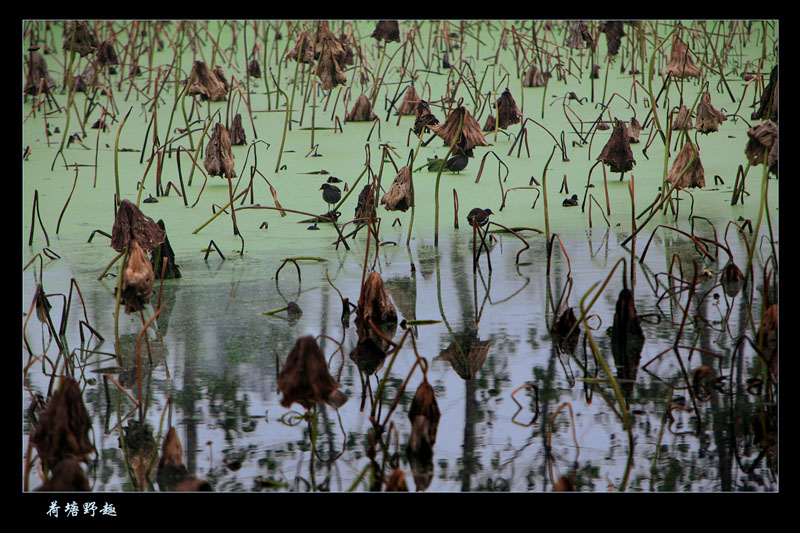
(523, 417)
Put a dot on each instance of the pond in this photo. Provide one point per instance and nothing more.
(685, 401)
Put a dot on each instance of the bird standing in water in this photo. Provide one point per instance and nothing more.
(457, 163)
(481, 216)
(331, 194)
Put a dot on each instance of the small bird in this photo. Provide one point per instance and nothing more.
(330, 193)
(334, 179)
(569, 202)
(481, 216)
(457, 163)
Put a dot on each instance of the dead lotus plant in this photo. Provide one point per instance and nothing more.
(305, 378)
(361, 110)
(424, 415)
(424, 119)
(219, 157)
(680, 64)
(614, 33)
(694, 175)
(471, 134)
(682, 120)
(81, 38)
(303, 50)
(330, 71)
(63, 428)
(238, 136)
(400, 195)
(387, 30)
(708, 118)
(508, 113)
(578, 36)
(206, 84)
(763, 138)
(411, 101)
(617, 153)
(535, 77)
(37, 70)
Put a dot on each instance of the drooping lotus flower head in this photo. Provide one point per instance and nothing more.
(305, 377)
(424, 119)
(763, 138)
(708, 118)
(471, 135)
(694, 175)
(206, 84)
(219, 157)
(387, 30)
(507, 111)
(400, 196)
(361, 110)
(617, 153)
(680, 64)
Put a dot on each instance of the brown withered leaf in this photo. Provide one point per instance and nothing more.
(387, 30)
(368, 355)
(763, 138)
(411, 101)
(424, 119)
(85, 41)
(614, 33)
(400, 196)
(238, 137)
(694, 175)
(397, 481)
(220, 75)
(37, 69)
(634, 130)
(627, 340)
(365, 208)
(137, 280)
(361, 110)
(219, 159)
(305, 377)
(329, 70)
(254, 69)
(67, 476)
(682, 120)
(106, 55)
(303, 50)
(731, 279)
(471, 134)
(424, 404)
(375, 303)
(64, 426)
(171, 470)
(535, 77)
(680, 64)
(768, 105)
(130, 224)
(579, 36)
(507, 111)
(617, 153)
(708, 118)
(206, 84)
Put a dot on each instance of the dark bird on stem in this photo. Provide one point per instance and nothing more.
(481, 216)
(569, 202)
(330, 193)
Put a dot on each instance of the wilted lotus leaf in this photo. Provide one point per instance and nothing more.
(507, 111)
(768, 105)
(425, 118)
(367, 355)
(614, 33)
(130, 224)
(708, 118)
(375, 304)
(330, 72)
(424, 404)
(137, 280)
(634, 130)
(303, 50)
(219, 157)
(254, 69)
(579, 36)
(171, 470)
(387, 30)
(694, 175)
(365, 208)
(762, 138)
(80, 37)
(220, 74)
(37, 69)
(64, 426)
(86, 79)
(206, 84)
(627, 339)
(490, 123)
(680, 64)
(361, 111)
(535, 77)
(617, 153)
(238, 137)
(731, 279)
(326, 40)
(400, 196)
(141, 450)
(471, 135)
(106, 55)
(682, 121)
(305, 377)
(768, 337)
(410, 102)
(466, 354)
(67, 476)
